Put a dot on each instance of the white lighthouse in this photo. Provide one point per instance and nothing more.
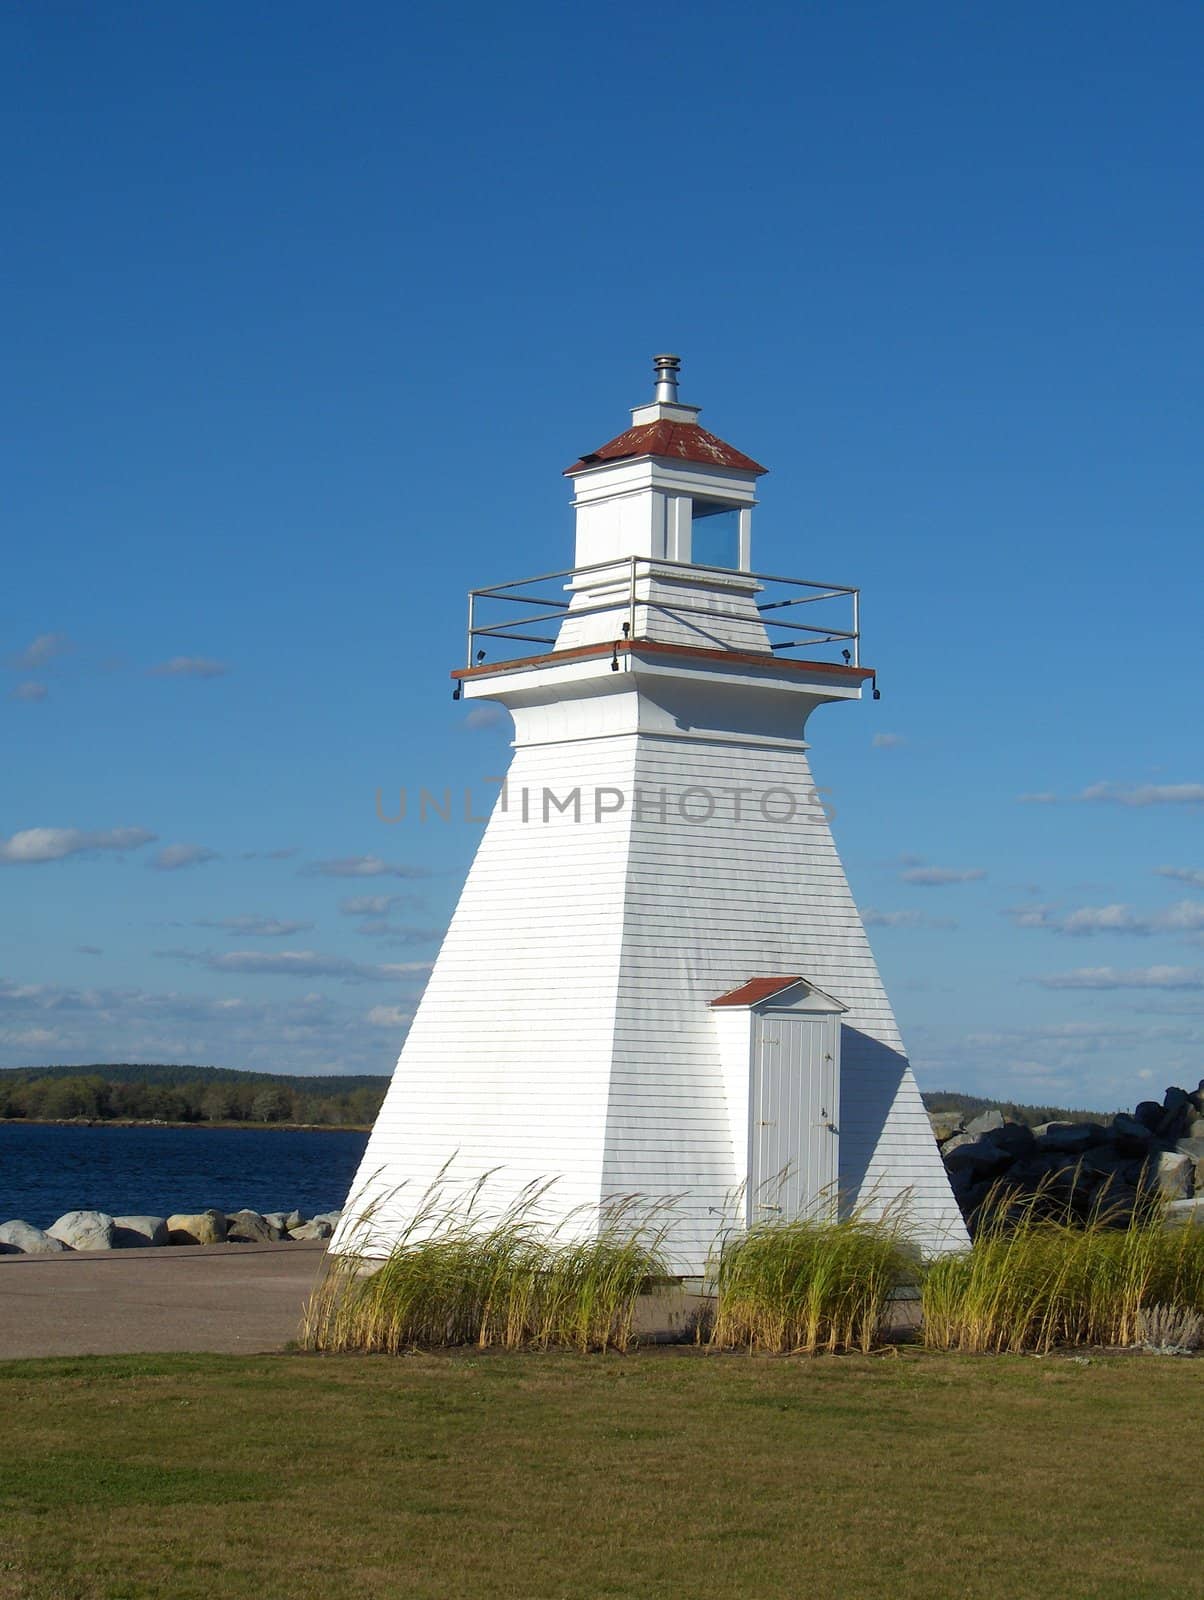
(656, 981)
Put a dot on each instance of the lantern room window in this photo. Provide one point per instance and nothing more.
(716, 534)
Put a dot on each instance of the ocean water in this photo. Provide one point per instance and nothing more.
(46, 1170)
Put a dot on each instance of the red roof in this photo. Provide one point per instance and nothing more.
(756, 989)
(681, 441)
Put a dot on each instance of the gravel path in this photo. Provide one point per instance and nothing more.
(225, 1298)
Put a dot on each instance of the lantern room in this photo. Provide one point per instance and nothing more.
(666, 489)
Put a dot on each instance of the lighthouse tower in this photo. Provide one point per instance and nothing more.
(656, 982)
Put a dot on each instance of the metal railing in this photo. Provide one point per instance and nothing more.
(628, 571)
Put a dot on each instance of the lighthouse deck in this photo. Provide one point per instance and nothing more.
(668, 601)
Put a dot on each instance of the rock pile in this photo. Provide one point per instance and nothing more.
(1083, 1167)
(96, 1230)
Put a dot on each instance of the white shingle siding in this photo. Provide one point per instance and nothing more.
(718, 614)
(507, 1058)
(566, 1032)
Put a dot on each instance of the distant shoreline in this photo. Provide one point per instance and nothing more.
(154, 1122)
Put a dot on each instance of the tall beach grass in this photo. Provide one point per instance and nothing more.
(1038, 1277)
(456, 1276)
(801, 1287)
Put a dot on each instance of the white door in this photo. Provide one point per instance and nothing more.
(793, 1109)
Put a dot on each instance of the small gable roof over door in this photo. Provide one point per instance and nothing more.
(790, 990)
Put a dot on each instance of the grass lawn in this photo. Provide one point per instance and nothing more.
(668, 1473)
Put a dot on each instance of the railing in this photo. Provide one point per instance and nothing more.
(552, 609)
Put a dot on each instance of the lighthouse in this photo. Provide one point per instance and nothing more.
(656, 982)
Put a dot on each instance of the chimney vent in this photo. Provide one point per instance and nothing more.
(667, 368)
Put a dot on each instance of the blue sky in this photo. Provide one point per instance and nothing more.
(308, 306)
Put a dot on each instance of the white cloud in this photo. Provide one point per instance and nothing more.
(54, 844)
(362, 867)
(938, 877)
(484, 717)
(173, 857)
(389, 1017)
(888, 741)
(304, 1032)
(1186, 916)
(1087, 1063)
(1133, 978)
(190, 667)
(42, 649)
(29, 692)
(1028, 916)
(396, 934)
(294, 964)
(873, 918)
(31, 1038)
(89, 950)
(1145, 794)
(254, 926)
(1087, 920)
(291, 963)
(1192, 875)
(1125, 794)
(268, 855)
(369, 905)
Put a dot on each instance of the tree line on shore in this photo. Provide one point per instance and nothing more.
(165, 1092)
(942, 1102)
(54, 1097)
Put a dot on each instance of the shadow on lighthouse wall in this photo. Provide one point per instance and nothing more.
(871, 1076)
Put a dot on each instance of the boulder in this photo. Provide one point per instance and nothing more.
(971, 1191)
(1113, 1181)
(980, 1156)
(84, 1230)
(294, 1220)
(197, 1227)
(318, 1228)
(137, 1233)
(22, 1238)
(326, 1216)
(1148, 1113)
(1177, 1112)
(248, 1227)
(957, 1141)
(1172, 1174)
(1192, 1147)
(1072, 1138)
(1130, 1135)
(1195, 1128)
(1046, 1166)
(985, 1122)
(1106, 1161)
(1185, 1213)
(1115, 1200)
(277, 1219)
(1014, 1137)
(945, 1124)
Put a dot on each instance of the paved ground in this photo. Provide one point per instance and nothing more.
(229, 1298)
